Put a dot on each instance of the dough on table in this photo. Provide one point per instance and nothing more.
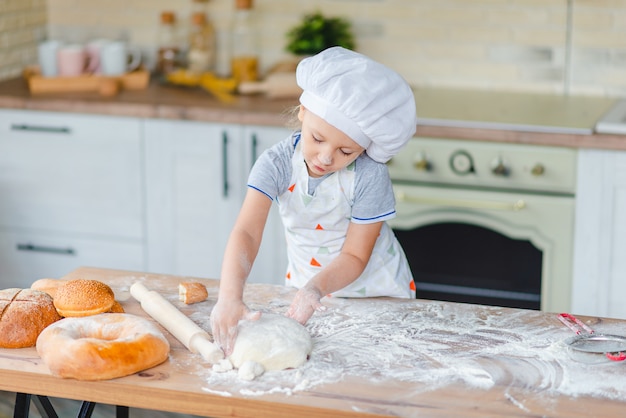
(273, 342)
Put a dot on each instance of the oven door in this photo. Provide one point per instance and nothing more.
(489, 247)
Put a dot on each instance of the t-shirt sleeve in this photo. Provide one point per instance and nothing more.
(374, 200)
(271, 172)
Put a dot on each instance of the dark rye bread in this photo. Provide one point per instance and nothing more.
(24, 313)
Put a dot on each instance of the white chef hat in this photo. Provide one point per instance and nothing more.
(364, 99)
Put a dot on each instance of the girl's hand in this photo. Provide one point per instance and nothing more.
(224, 319)
(305, 303)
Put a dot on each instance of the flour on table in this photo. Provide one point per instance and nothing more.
(273, 342)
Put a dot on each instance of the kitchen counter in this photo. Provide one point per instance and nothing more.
(371, 357)
(443, 113)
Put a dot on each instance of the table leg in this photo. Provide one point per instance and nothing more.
(22, 405)
(46, 409)
(86, 409)
(44, 406)
(122, 412)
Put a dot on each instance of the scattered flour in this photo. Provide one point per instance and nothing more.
(430, 345)
(435, 345)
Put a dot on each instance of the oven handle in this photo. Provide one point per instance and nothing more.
(473, 204)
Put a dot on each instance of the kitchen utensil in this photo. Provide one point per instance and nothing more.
(177, 323)
(586, 339)
(275, 86)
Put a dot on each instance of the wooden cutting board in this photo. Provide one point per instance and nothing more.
(280, 85)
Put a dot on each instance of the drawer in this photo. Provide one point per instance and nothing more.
(26, 257)
(71, 173)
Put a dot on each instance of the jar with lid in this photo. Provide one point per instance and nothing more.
(168, 44)
(201, 54)
(244, 43)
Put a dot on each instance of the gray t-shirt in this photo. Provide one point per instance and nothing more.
(373, 195)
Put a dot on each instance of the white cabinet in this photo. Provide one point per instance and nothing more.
(195, 180)
(600, 234)
(70, 194)
(270, 265)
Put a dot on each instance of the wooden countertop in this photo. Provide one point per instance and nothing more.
(539, 119)
(371, 357)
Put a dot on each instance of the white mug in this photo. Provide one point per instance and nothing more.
(47, 55)
(72, 60)
(114, 58)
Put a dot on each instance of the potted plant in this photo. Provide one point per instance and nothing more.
(316, 33)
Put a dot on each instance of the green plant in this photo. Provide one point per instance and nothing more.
(316, 33)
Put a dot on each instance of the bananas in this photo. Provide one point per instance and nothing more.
(222, 88)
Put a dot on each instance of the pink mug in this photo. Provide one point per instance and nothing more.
(71, 60)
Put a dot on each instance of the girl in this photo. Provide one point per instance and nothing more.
(333, 190)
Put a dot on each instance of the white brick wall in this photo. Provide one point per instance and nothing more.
(494, 44)
(22, 25)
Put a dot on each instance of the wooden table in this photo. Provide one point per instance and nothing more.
(371, 357)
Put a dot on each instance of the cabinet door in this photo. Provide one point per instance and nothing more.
(71, 173)
(600, 234)
(193, 178)
(27, 256)
(271, 262)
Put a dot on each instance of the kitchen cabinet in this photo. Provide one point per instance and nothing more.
(600, 234)
(195, 181)
(70, 194)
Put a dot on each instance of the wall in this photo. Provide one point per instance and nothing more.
(22, 25)
(561, 46)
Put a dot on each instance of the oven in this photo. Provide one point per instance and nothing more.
(485, 222)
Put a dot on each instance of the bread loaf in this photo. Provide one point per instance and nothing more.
(24, 313)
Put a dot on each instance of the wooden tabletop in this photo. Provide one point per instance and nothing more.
(371, 357)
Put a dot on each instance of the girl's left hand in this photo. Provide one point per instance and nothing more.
(305, 303)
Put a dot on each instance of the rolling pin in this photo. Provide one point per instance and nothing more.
(177, 323)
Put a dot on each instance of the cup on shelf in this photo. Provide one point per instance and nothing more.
(117, 58)
(72, 60)
(47, 56)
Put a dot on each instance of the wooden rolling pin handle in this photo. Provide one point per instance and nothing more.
(177, 323)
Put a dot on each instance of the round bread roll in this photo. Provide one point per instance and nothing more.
(24, 313)
(47, 285)
(82, 297)
(100, 347)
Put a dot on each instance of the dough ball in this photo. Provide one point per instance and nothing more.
(274, 341)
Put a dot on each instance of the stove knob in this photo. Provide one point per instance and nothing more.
(461, 163)
(538, 170)
(500, 168)
(422, 163)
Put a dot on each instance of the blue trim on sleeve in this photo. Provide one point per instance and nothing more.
(257, 189)
(385, 215)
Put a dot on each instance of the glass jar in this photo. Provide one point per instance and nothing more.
(201, 54)
(168, 44)
(244, 43)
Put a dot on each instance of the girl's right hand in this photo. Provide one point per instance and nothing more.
(224, 319)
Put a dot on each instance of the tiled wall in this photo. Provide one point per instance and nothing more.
(22, 25)
(562, 46)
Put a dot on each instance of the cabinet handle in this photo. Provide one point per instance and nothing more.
(38, 128)
(224, 164)
(459, 203)
(44, 249)
(255, 144)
